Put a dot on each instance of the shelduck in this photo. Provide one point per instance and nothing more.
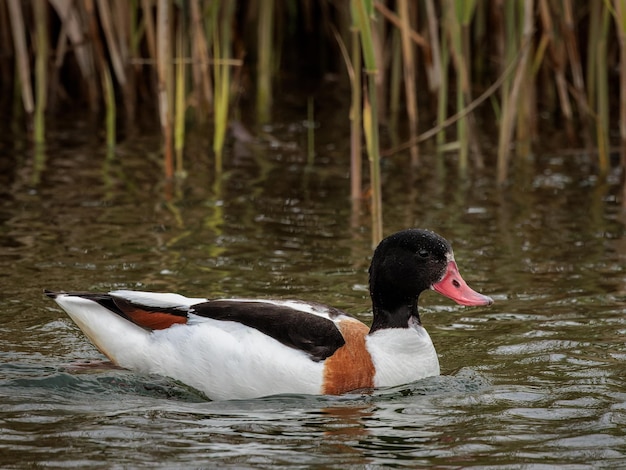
(246, 348)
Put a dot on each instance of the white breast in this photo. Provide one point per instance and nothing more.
(402, 355)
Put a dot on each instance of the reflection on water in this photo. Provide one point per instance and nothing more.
(535, 380)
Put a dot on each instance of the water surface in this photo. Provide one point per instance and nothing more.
(533, 381)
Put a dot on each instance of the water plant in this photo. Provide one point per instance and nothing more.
(413, 67)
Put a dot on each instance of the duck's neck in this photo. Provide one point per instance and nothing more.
(395, 317)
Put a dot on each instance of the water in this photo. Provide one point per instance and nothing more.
(534, 381)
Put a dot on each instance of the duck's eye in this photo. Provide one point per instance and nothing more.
(423, 253)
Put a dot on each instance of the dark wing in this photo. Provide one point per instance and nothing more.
(313, 334)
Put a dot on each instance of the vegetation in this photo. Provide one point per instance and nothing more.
(453, 62)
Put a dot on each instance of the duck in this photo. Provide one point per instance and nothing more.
(249, 348)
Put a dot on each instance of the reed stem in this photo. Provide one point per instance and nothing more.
(620, 23)
(363, 9)
(111, 110)
(222, 53)
(180, 102)
(395, 81)
(41, 71)
(459, 15)
(264, 66)
(510, 101)
(442, 101)
(408, 55)
(200, 66)
(602, 92)
(164, 72)
(119, 53)
(21, 54)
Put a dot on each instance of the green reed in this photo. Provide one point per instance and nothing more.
(180, 100)
(601, 17)
(353, 65)
(164, 76)
(423, 64)
(395, 85)
(22, 57)
(265, 67)
(362, 11)
(111, 109)
(410, 82)
(459, 16)
(222, 17)
(41, 71)
(519, 32)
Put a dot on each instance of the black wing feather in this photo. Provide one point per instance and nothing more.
(315, 335)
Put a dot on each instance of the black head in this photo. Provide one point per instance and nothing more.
(407, 263)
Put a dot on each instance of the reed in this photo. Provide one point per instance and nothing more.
(221, 18)
(201, 73)
(265, 32)
(457, 21)
(180, 100)
(602, 91)
(164, 74)
(410, 83)
(21, 54)
(423, 62)
(442, 95)
(571, 45)
(114, 39)
(111, 109)
(620, 24)
(552, 43)
(362, 11)
(511, 93)
(395, 86)
(149, 30)
(526, 116)
(352, 61)
(41, 71)
(354, 69)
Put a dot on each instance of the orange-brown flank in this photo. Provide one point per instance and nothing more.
(152, 320)
(351, 367)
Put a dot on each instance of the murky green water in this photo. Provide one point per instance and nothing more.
(535, 380)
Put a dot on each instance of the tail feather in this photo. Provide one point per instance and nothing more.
(148, 317)
(120, 339)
